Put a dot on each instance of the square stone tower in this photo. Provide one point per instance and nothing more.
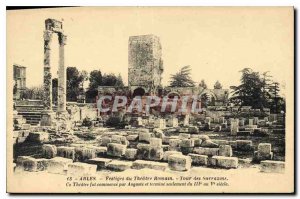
(145, 65)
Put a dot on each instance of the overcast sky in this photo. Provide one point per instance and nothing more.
(215, 42)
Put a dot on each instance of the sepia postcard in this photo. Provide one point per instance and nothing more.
(150, 100)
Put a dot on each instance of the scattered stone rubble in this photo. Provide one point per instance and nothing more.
(138, 148)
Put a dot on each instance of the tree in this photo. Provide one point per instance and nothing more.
(74, 80)
(182, 78)
(35, 93)
(95, 81)
(218, 85)
(274, 91)
(112, 80)
(203, 84)
(250, 91)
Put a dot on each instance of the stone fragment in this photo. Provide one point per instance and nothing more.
(142, 164)
(100, 162)
(145, 136)
(131, 154)
(99, 150)
(105, 141)
(224, 162)
(184, 136)
(206, 151)
(270, 166)
(209, 144)
(198, 160)
(187, 143)
(244, 145)
(79, 168)
(116, 150)
(179, 162)
(132, 138)
(66, 152)
(155, 142)
(117, 165)
(58, 165)
(168, 153)
(119, 139)
(146, 152)
(49, 151)
(38, 137)
(82, 154)
(225, 150)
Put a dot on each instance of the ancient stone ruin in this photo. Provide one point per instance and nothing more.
(77, 139)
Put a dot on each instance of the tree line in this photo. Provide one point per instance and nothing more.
(75, 85)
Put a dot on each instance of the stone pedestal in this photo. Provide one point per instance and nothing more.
(48, 118)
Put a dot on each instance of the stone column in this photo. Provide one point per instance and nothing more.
(62, 79)
(47, 72)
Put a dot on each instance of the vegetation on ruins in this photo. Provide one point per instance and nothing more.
(35, 93)
(74, 80)
(257, 91)
(182, 78)
(97, 79)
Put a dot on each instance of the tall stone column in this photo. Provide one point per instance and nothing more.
(47, 71)
(62, 79)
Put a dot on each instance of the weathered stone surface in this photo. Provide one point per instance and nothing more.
(66, 152)
(224, 162)
(49, 151)
(225, 150)
(119, 139)
(145, 136)
(142, 164)
(155, 142)
(179, 162)
(184, 136)
(245, 162)
(82, 154)
(27, 163)
(203, 137)
(131, 154)
(79, 168)
(206, 151)
(146, 152)
(262, 156)
(38, 137)
(168, 153)
(99, 150)
(174, 142)
(244, 145)
(105, 141)
(117, 165)
(193, 129)
(116, 150)
(197, 142)
(187, 143)
(198, 160)
(132, 137)
(220, 142)
(58, 165)
(264, 148)
(209, 144)
(100, 162)
(270, 166)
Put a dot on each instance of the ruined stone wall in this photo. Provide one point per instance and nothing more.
(145, 63)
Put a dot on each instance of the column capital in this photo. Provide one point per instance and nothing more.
(62, 39)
